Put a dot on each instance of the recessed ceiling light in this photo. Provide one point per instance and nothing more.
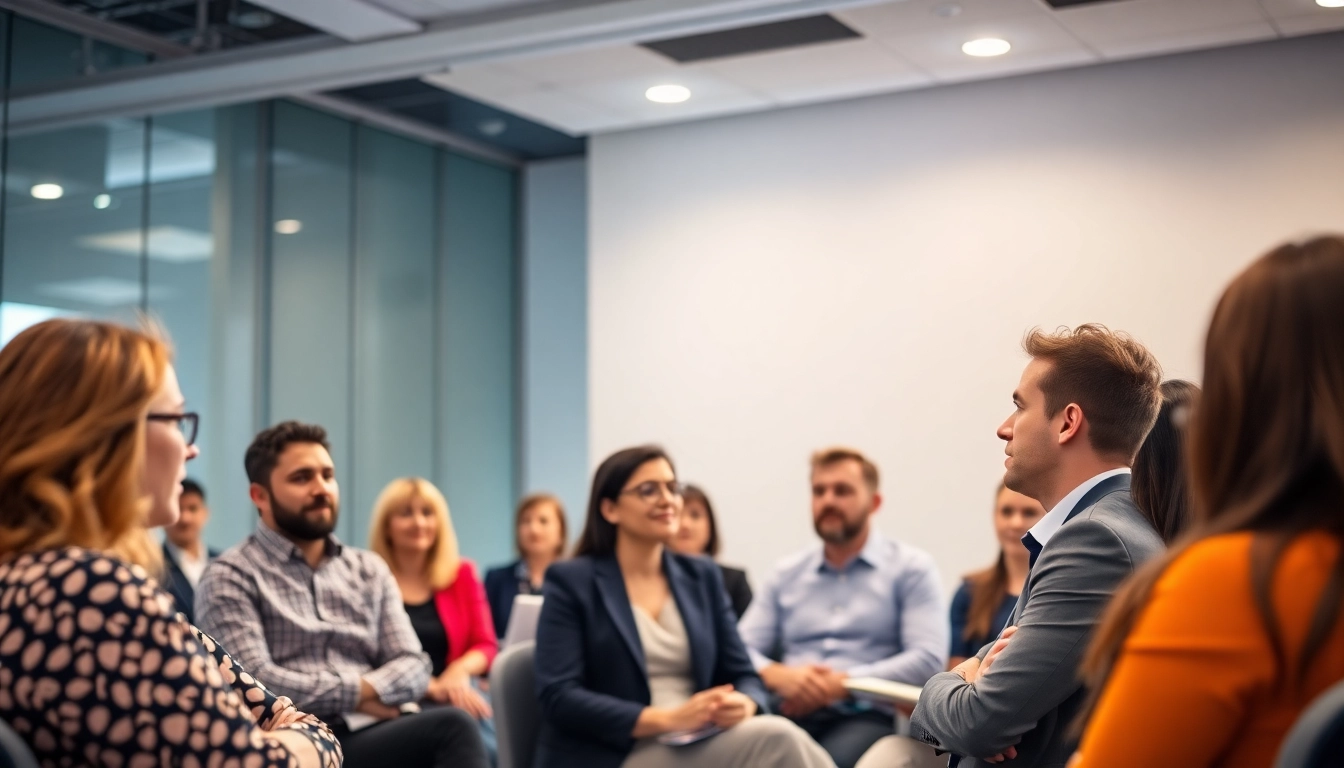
(102, 201)
(288, 226)
(1330, 3)
(668, 94)
(986, 46)
(947, 10)
(47, 191)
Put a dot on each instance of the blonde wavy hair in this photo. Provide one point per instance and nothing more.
(72, 437)
(444, 560)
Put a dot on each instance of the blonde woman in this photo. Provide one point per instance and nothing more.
(412, 531)
(93, 450)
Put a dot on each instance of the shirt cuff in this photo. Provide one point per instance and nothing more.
(758, 660)
(349, 691)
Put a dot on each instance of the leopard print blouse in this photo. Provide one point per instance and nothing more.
(97, 669)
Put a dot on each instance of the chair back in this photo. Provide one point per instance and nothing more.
(1317, 738)
(14, 751)
(513, 691)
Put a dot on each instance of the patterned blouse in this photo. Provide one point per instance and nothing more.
(97, 669)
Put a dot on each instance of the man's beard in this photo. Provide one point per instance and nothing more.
(301, 528)
(848, 530)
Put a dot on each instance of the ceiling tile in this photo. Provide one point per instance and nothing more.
(1135, 27)
(1310, 25)
(710, 95)
(1188, 41)
(482, 79)
(566, 111)
(1303, 17)
(1038, 43)
(915, 16)
(831, 70)
(425, 10)
(586, 66)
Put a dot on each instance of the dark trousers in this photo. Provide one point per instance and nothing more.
(847, 735)
(445, 737)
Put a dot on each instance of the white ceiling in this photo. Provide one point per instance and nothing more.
(904, 45)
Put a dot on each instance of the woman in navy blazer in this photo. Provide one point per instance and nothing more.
(601, 707)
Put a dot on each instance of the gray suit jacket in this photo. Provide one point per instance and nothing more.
(1032, 694)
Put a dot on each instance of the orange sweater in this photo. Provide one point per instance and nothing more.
(1195, 684)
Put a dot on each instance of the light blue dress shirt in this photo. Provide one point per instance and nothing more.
(881, 615)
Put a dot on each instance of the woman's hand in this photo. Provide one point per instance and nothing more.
(733, 708)
(454, 687)
(288, 716)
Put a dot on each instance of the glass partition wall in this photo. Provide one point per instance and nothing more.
(306, 268)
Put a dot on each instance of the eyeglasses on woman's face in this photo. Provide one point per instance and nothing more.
(650, 491)
(186, 423)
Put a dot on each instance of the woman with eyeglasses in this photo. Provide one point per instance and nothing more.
(96, 667)
(638, 659)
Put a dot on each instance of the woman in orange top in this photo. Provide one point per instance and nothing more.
(1209, 655)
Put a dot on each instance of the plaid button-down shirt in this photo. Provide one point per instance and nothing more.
(312, 633)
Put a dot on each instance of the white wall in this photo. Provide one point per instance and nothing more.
(863, 272)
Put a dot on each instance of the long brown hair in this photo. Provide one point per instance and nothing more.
(988, 588)
(1267, 440)
(72, 437)
(1160, 486)
(598, 538)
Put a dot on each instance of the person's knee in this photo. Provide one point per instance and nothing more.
(450, 722)
(775, 732)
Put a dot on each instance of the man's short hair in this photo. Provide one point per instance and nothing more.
(1113, 378)
(191, 486)
(264, 452)
(828, 456)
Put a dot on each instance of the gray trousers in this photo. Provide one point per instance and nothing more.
(765, 740)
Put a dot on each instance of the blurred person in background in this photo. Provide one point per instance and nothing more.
(699, 535)
(985, 599)
(540, 535)
(185, 554)
(1160, 486)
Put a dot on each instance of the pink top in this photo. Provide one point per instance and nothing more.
(466, 616)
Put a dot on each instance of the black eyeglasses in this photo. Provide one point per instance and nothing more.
(651, 490)
(188, 423)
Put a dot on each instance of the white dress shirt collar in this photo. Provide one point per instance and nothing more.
(1045, 528)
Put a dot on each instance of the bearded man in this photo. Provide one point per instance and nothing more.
(860, 605)
(323, 622)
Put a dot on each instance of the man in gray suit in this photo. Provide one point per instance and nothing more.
(1084, 405)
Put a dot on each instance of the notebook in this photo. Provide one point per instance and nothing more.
(522, 620)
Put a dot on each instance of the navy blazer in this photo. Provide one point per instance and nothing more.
(175, 583)
(592, 680)
(501, 586)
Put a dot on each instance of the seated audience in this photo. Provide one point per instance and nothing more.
(184, 552)
(636, 643)
(699, 535)
(859, 605)
(986, 599)
(1209, 655)
(412, 532)
(323, 622)
(1083, 406)
(95, 446)
(540, 536)
(1160, 486)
